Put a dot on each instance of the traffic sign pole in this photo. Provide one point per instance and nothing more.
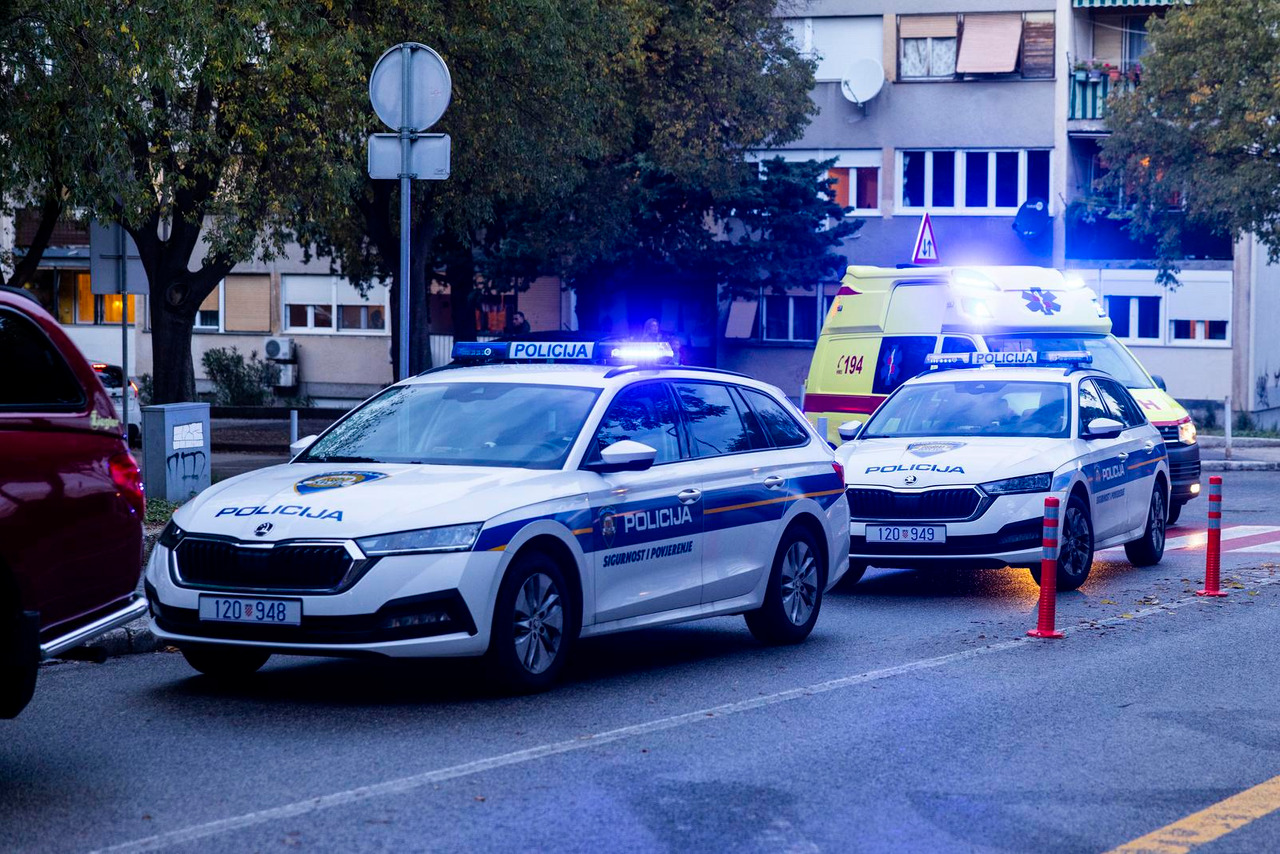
(406, 190)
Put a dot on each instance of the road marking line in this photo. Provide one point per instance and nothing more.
(416, 781)
(1200, 538)
(1210, 823)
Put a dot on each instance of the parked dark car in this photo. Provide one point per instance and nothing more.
(71, 502)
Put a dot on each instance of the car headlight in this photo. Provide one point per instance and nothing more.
(454, 538)
(171, 535)
(1187, 432)
(1014, 485)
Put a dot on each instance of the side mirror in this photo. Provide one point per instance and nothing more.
(1159, 381)
(849, 430)
(625, 455)
(1103, 428)
(302, 444)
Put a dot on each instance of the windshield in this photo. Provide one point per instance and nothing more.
(461, 424)
(973, 407)
(1108, 354)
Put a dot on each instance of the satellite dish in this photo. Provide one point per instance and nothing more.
(862, 81)
(1032, 219)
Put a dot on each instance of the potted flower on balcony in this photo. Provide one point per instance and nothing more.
(1135, 73)
(1081, 70)
(1095, 70)
(1113, 71)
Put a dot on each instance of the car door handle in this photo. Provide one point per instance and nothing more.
(773, 481)
(689, 496)
(1124, 455)
(1148, 445)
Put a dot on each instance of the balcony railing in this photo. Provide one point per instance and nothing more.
(1089, 96)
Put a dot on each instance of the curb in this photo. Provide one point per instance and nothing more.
(1238, 442)
(131, 639)
(1238, 465)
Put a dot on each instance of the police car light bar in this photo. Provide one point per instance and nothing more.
(1006, 359)
(627, 352)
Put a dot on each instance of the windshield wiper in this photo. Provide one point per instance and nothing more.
(338, 459)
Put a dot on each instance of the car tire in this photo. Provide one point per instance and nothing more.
(851, 578)
(224, 662)
(534, 625)
(1149, 549)
(794, 594)
(19, 660)
(1075, 545)
(1175, 510)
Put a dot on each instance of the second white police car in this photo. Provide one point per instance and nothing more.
(507, 510)
(954, 467)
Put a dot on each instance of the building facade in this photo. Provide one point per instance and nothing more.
(991, 115)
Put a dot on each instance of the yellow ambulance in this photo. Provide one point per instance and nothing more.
(885, 320)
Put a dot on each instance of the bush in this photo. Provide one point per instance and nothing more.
(238, 381)
(145, 388)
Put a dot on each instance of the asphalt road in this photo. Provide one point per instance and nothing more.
(918, 717)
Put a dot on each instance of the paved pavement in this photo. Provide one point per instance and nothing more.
(917, 718)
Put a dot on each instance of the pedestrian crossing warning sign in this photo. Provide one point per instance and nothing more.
(926, 251)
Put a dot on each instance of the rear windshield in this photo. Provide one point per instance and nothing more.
(110, 375)
(516, 425)
(972, 408)
(1108, 354)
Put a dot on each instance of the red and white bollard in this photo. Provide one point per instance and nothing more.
(1213, 552)
(1048, 574)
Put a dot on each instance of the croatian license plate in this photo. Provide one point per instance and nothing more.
(906, 533)
(239, 609)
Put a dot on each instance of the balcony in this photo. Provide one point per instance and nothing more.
(1088, 101)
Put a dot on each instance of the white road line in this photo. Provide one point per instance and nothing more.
(1198, 539)
(407, 784)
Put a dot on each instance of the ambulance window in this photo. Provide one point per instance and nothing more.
(1119, 401)
(783, 429)
(901, 358)
(642, 413)
(1091, 405)
(713, 419)
(952, 344)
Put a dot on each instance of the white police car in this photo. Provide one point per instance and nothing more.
(954, 467)
(509, 509)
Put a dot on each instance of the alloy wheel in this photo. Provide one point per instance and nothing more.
(1075, 555)
(1157, 522)
(799, 583)
(539, 623)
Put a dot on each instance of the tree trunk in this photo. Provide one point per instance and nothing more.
(50, 210)
(173, 380)
(460, 272)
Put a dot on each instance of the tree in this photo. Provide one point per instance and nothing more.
(202, 128)
(1197, 144)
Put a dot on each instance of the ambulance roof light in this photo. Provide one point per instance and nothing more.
(972, 280)
(1072, 282)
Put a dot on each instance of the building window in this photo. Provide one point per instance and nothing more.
(209, 315)
(927, 47)
(1184, 331)
(978, 182)
(788, 318)
(330, 303)
(67, 295)
(1134, 318)
(857, 187)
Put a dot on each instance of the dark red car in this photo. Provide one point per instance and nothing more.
(71, 501)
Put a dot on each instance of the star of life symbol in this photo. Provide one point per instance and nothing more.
(1042, 301)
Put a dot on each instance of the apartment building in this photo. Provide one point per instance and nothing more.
(992, 113)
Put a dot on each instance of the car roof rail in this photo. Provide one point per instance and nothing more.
(626, 369)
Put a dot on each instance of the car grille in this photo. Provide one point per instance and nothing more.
(1184, 470)
(1168, 432)
(933, 504)
(225, 565)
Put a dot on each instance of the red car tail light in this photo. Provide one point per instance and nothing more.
(835, 464)
(128, 479)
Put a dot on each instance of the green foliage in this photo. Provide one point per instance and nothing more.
(159, 511)
(1197, 146)
(238, 381)
(145, 389)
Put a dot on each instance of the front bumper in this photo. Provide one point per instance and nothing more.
(408, 606)
(1184, 470)
(1008, 533)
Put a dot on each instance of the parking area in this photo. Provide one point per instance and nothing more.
(917, 717)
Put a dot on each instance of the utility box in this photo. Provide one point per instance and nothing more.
(176, 460)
